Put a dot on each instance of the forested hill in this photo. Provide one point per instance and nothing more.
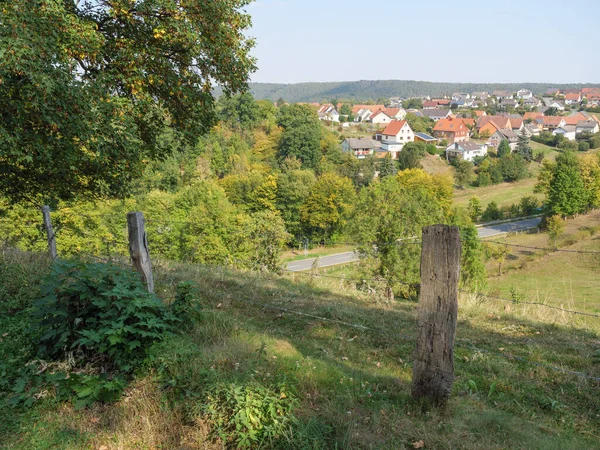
(371, 90)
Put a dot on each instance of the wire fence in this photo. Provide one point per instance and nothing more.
(116, 244)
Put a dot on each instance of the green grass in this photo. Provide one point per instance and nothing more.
(352, 384)
(567, 280)
(504, 194)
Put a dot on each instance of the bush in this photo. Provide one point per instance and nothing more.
(432, 149)
(250, 416)
(584, 146)
(529, 205)
(492, 212)
(97, 323)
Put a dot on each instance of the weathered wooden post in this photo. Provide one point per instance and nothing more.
(433, 369)
(50, 236)
(138, 247)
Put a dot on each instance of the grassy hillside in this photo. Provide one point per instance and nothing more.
(373, 89)
(348, 386)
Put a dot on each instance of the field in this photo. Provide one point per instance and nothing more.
(504, 194)
(349, 385)
(295, 255)
(569, 280)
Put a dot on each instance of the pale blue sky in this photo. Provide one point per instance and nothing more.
(431, 40)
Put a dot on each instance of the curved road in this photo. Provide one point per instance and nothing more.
(484, 231)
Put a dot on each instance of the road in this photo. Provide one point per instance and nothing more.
(485, 231)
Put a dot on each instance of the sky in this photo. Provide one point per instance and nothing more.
(554, 41)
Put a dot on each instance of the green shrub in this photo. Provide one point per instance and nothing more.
(584, 146)
(186, 306)
(100, 311)
(250, 415)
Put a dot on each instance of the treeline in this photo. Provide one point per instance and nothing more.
(365, 90)
(264, 178)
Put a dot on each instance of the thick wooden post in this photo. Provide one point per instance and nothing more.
(433, 369)
(49, 232)
(138, 247)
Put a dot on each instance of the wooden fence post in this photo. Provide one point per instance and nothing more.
(138, 247)
(433, 369)
(49, 232)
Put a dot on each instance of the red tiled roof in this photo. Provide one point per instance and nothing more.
(430, 104)
(532, 115)
(516, 123)
(499, 121)
(450, 125)
(576, 97)
(469, 122)
(479, 113)
(372, 108)
(575, 118)
(394, 127)
(391, 111)
(376, 113)
(550, 120)
(443, 102)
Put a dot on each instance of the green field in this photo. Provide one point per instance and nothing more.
(569, 280)
(504, 194)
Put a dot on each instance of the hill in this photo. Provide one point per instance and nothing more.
(365, 90)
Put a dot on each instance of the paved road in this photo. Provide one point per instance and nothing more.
(502, 228)
(484, 232)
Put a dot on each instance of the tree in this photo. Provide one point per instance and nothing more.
(346, 110)
(474, 209)
(387, 167)
(420, 124)
(545, 177)
(326, 209)
(524, 149)
(411, 154)
(504, 148)
(240, 111)
(463, 172)
(394, 209)
(89, 87)
(513, 167)
(555, 226)
(492, 212)
(412, 103)
(589, 168)
(566, 195)
(293, 188)
(552, 111)
(529, 205)
(301, 136)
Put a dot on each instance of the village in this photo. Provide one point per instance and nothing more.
(467, 125)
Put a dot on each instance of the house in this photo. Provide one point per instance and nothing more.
(487, 125)
(363, 115)
(593, 99)
(395, 135)
(479, 113)
(460, 96)
(436, 114)
(573, 99)
(452, 130)
(532, 115)
(431, 104)
(328, 112)
(550, 122)
(551, 103)
(530, 129)
(523, 94)
(360, 147)
(467, 150)
(568, 131)
(508, 103)
(372, 108)
(532, 102)
(481, 95)
(442, 101)
(517, 124)
(423, 137)
(501, 95)
(380, 117)
(577, 117)
(395, 113)
(588, 126)
(470, 123)
(504, 134)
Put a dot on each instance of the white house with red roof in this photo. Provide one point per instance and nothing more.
(396, 134)
(380, 117)
(328, 112)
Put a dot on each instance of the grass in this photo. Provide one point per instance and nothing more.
(352, 384)
(435, 164)
(562, 279)
(504, 194)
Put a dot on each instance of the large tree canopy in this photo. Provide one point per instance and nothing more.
(87, 86)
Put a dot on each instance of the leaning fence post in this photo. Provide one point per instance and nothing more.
(138, 247)
(433, 369)
(49, 232)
